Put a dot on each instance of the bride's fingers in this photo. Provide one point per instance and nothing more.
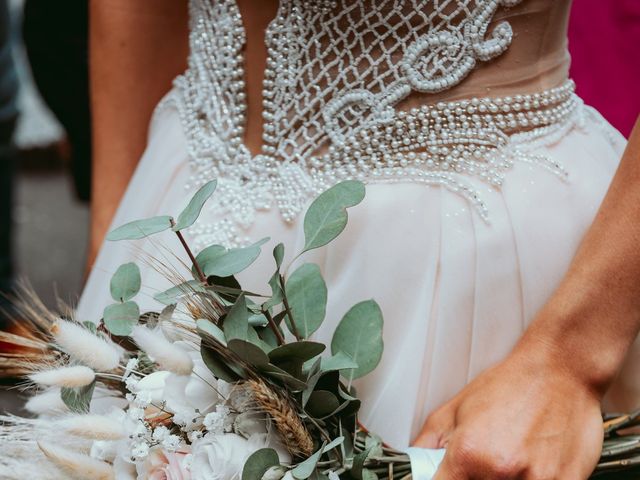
(436, 430)
(449, 471)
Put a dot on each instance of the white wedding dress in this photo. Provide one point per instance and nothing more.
(483, 172)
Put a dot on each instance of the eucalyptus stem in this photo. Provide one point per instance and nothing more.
(274, 327)
(287, 309)
(201, 275)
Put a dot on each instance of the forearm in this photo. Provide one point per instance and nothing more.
(593, 317)
(136, 49)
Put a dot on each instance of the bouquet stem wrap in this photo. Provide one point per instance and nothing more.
(424, 462)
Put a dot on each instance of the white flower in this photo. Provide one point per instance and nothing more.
(162, 465)
(219, 421)
(222, 457)
(160, 433)
(154, 385)
(194, 435)
(171, 443)
(82, 345)
(131, 382)
(170, 356)
(74, 376)
(143, 398)
(139, 450)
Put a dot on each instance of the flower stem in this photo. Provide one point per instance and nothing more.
(285, 302)
(274, 327)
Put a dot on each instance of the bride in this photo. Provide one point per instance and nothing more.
(506, 272)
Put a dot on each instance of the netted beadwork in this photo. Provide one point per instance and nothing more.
(337, 71)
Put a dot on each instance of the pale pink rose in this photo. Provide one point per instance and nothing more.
(161, 465)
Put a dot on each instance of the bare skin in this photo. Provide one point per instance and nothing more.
(534, 416)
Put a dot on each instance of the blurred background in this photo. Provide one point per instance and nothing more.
(45, 148)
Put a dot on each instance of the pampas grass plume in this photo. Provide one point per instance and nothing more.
(85, 347)
(92, 427)
(76, 376)
(77, 464)
(166, 354)
(48, 401)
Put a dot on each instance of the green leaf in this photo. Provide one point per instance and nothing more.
(209, 328)
(217, 260)
(227, 287)
(236, 323)
(339, 361)
(140, 228)
(321, 403)
(249, 352)
(190, 214)
(172, 294)
(369, 474)
(284, 377)
(336, 442)
(125, 283)
(327, 216)
(120, 318)
(359, 335)
(278, 255)
(358, 464)
(78, 399)
(258, 463)
(258, 320)
(306, 293)
(306, 468)
(218, 367)
(299, 351)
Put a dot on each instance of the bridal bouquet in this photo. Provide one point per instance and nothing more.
(221, 384)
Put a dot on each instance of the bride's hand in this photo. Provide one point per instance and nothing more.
(526, 418)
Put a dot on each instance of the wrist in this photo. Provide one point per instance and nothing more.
(577, 342)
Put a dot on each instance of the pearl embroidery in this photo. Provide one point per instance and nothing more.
(335, 72)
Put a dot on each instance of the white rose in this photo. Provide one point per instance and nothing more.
(222, 457)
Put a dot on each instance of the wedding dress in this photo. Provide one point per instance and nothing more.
(483, 171)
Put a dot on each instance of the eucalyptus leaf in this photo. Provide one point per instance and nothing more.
(276, 292)
(336, 442)
(339, 361)
(217, 260)
(306, 293)
(174, 293)
(248, 352)
(120, 318)
(369, 474)
(125, 283)
(278, 255)
(258, 320)
(190, 214)
(321, 403)
(218, 367)
(140, 228)
(359, 335)
(358, 464)
(236, 322)
(327, 216)
(78, 399)
(299, 351)
(209, 328)
(258, 463)
(305, 469)
(284, 377)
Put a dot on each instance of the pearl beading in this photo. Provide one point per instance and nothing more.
(329, 111)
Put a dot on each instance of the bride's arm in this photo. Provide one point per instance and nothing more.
(536, 415)
(136, 49)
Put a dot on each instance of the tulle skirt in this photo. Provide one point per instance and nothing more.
(456, 291)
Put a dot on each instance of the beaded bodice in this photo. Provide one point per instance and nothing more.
(337, 72)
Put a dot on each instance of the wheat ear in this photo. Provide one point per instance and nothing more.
(295, 435)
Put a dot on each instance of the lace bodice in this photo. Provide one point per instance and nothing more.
(336, 72)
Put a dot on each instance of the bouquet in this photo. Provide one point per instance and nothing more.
(222, 383)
